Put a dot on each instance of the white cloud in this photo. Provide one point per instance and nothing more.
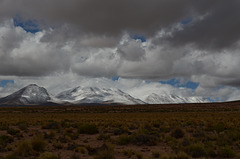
(223, 93)
(56, 59)
(135, 87)
(23, 54)
(131, 50)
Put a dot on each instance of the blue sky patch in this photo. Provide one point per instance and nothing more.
(177, 83)
(186, 21)
(139, 37)
(173, 82)
(210, 99)
(28, 25)
(115, 78)
(4, 83)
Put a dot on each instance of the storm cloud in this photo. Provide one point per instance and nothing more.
(195, 40)
(109, 17)
(216, 29)
(112, 17)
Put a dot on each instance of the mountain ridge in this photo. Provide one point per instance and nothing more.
(80, 95)
(171, 98)
(31, 94)
(35, 95)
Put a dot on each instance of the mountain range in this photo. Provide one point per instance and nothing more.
(35, 95)
(80, 95)
(170, 98)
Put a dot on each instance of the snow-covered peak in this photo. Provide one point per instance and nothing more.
(31, 94)
(171, 98)
(35, 94)
(80, 95)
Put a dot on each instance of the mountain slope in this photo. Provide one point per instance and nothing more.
(170, 98)
(81, 95)
(31, 94)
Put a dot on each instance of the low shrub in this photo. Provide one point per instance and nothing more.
(165, 156)
(223, 139)
(199, 134)
(139, 155)
(48, 155)
(144, 139)
(128, 153)
(227, 152)
(72, 146)
(64, 139)
(51, 125)
(124, 139)
(87, 129)
(50, 135)
(13, 131)
(210, 148)
(120, 131)
(156, 124)
(165, 128)
(186, 142)
(91, 150)
(57, 145)
(196, 150)
(74, 156)
(66, 123)
(155, 154)
(69, 130)
(24, 149)
(233, 134)
(22, 126)
(12, 156)
(106, 151)
(178, 133)
(104, 137)
(4, 126)
(71, 135)
(219, 127)
(4, 141)
(38, 143)
(148, 129)
(182, 155)
(80, 149)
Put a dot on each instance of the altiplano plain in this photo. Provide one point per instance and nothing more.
(209, 130)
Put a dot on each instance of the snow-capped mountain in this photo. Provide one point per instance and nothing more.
(80, 95)
(170, 98)
(31, 94)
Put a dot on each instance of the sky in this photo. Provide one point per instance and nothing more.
(189, 48)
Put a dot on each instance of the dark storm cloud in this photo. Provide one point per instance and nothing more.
(105, 16)
(218, 29)
(111, 17)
